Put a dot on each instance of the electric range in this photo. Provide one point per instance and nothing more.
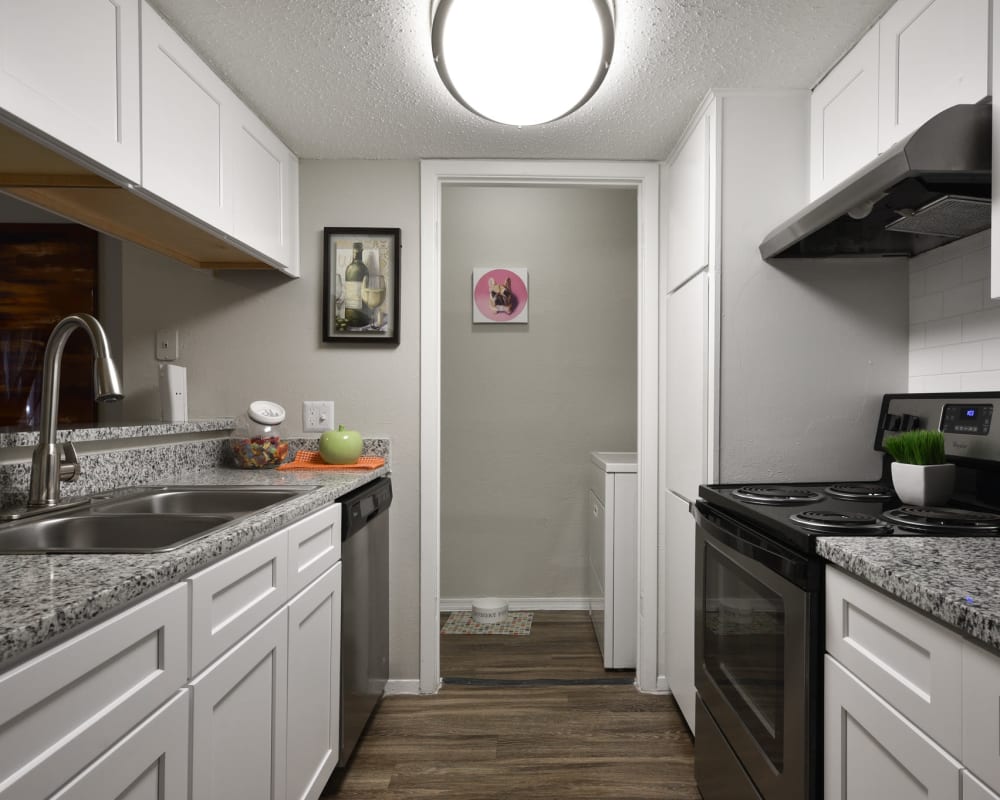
(759, 593)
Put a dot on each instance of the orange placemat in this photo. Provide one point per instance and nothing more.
(311, 459)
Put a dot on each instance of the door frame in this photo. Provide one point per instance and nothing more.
(644, 177)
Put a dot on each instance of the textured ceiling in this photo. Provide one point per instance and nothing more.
(355, 78)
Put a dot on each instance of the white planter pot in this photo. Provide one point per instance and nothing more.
(919, 485)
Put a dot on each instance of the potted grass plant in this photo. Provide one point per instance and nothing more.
(920, 474)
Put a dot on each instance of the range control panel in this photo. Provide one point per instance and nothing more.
(965, 420)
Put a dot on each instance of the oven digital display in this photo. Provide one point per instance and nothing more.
(965, 419)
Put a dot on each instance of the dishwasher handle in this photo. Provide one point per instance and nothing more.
(365, 504)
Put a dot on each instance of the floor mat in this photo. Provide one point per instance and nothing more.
(518, 623)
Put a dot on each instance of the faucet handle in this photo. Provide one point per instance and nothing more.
(69, 467)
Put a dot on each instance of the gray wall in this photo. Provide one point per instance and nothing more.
(523, 405)
(250, 335)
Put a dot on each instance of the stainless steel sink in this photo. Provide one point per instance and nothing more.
(107, 533)
(139, 520)
(213, 500)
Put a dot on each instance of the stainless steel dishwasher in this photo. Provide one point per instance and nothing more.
(365, 616)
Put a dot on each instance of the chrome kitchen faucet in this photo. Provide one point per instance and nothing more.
(47, 465)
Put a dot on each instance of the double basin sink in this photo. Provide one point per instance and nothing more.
(143, 520)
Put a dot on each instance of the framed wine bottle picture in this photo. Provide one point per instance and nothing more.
(361, 285)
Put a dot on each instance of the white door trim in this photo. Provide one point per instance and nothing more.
(644, 177)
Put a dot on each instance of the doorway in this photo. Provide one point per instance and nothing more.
(641, 177)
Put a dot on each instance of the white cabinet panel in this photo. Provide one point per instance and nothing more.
(843, 126)
(686, 401)
(185, 128)
(687, 212)
(680, 591)
(151, 763)
(230, 598)
(62, 709)
(239, 712)
(981, 713)
(933, 54)
(313, 547)
(595, 560)
(873, 753)
(314, 686)
(265, 190)
(910, 660)
(973, 789)
(70, 68)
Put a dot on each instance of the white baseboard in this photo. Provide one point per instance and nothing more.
(402, 686)
(661, 685)
(523, 603)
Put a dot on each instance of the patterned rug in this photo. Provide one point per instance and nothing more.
(518, 623)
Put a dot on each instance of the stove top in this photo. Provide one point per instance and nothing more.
(796, 514)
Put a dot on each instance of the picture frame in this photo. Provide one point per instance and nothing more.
(353, 309)
(500, 296)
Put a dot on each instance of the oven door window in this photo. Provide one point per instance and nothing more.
(744, 650)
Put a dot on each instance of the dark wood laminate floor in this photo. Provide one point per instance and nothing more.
(578, 739)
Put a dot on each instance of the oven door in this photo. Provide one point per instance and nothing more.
(757, 658)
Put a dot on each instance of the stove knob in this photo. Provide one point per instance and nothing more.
(910, 422)
(892, 422)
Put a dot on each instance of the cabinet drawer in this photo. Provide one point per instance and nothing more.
(871, 751)
(313, 547)
(150, 762)
(62, 709)
(981, 713)
(231, 598)
(910, 660)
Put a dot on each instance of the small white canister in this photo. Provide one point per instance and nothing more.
(489, 610)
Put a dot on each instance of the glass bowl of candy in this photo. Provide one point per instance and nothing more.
(255, 442)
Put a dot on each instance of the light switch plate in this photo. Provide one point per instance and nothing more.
(166, 344)
(317, 415)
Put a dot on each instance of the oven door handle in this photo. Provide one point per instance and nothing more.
(746, 542)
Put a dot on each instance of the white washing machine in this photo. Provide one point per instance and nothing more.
(612, 531)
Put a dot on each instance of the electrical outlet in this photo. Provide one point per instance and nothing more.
(317, 415)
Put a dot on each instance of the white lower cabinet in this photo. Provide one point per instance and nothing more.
(911, 708)
(873, 752)
(239, 708)
(314, 686)
(150, 763)
(106, 715)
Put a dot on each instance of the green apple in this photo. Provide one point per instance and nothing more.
(340, 446)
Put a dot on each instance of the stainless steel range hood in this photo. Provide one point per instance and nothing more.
(927, 190)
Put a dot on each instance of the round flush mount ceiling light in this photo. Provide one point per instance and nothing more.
(522, 62)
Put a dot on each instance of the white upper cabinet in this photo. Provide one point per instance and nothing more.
(934, 54)
(265, 190)
(206, 153)
(184, 126)
(844, 117)
(71, 71)
(687, 212)
(922, 57)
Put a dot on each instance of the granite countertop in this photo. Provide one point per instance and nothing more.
(953, 579)
(45, 597)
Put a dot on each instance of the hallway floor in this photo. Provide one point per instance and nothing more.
(530, 717)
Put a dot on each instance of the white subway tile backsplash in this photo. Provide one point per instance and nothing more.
(954, 323)
(943, 331)
(936, 383)
(966, 357)
(976, 266)
(944, 276)
(926, 309)
(981, 325)
(991, 354)
(981, 381)
(963, 299)
(926, 362)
